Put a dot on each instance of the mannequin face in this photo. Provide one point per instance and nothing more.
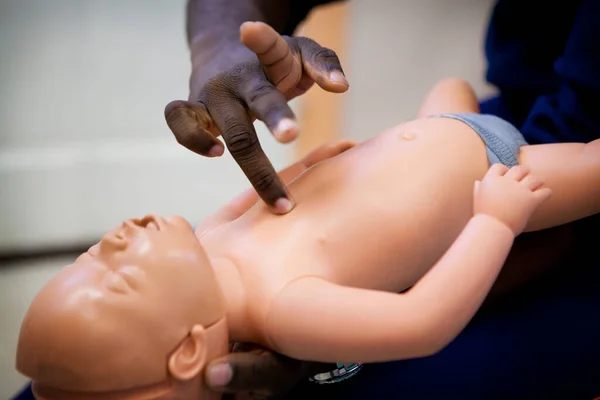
(147, 262)
(110, 320)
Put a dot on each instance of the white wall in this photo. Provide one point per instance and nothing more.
(83, 142)
(399, 48)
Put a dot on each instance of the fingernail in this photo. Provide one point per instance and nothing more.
(283, 206)
(286, 130)
(338, 77)
(219, 375)
(216, 151)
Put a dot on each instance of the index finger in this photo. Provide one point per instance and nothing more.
(239, 135)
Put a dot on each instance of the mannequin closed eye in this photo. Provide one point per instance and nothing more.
(123, 280)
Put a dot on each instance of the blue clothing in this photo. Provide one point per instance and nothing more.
(544, 57)
(502, 140)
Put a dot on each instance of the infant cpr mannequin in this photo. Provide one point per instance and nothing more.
(136, 317)
(400, 210)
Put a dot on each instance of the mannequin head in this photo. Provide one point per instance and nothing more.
(138, 315)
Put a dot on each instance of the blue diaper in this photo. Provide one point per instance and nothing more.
(502, 140)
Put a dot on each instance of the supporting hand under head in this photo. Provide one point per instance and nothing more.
(236, 82)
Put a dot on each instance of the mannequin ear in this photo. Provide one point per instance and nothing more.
(188, 360)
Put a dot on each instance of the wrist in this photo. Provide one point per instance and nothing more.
(493, 223)
(215, 45)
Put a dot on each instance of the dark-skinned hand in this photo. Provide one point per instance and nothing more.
(253, 372)
(242, 83)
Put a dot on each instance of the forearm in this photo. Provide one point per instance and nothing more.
(449, 96)
(212, 24)
(450, 294)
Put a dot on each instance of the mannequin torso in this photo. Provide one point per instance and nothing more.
(410, 218)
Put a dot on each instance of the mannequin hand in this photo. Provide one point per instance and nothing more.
(259, 372)
(510, 196)
(233, 85)
(326, 152)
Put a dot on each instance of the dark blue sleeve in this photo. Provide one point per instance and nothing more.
(300, 10)
(25, 394)
(570, 112)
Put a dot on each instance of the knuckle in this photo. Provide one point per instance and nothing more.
(328, 57)
(325, 53)
(259, 90)
(295, 42)
(240, 141)
(230, 81)
(213, 91)
(263, 180)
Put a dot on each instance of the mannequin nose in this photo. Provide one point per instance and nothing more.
(116, 240)
(112, 242)
(130, 228)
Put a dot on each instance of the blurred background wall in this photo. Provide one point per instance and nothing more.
(83, 142)
(83, 138)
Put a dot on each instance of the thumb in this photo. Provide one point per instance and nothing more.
(239, 372)
(255, 371)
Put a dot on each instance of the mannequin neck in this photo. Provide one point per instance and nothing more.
(228, 277)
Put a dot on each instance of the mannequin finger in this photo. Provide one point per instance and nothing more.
(328, 151)
(532, 183)
(497, 170)
(517, 173)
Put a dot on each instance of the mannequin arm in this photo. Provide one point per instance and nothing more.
(449, 96)
(313, 319)
(572, 171)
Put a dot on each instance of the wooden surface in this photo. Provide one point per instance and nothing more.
(321, 111)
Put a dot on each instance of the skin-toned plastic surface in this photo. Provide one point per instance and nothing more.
(402, 209)
(371, 222)
(136, 317)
